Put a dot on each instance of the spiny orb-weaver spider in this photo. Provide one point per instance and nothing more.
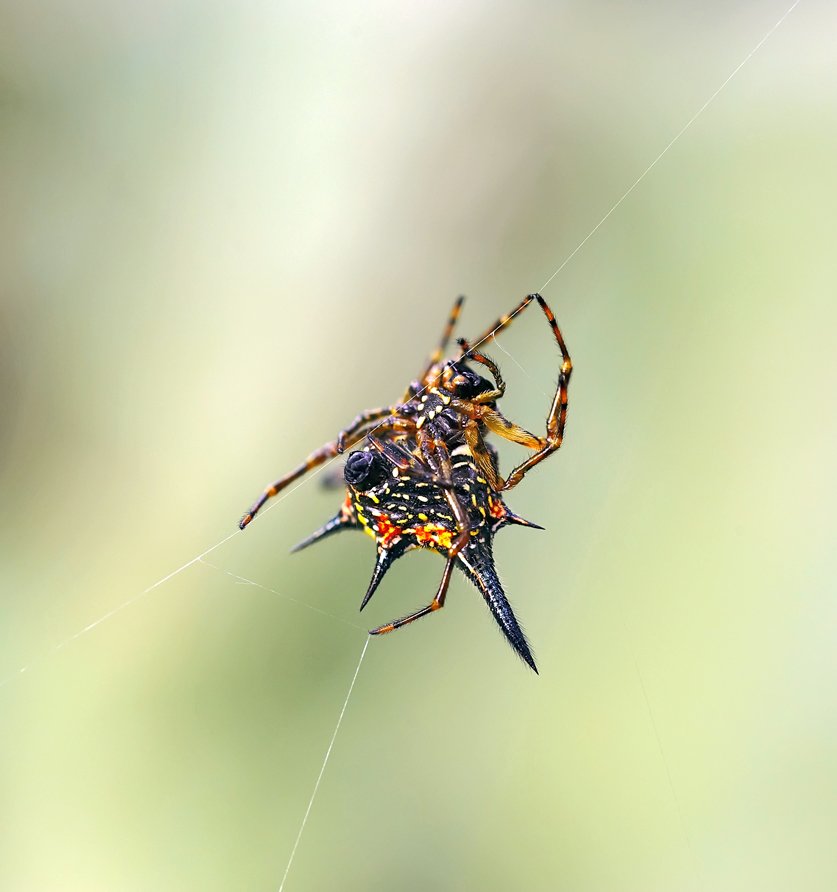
(426, 478)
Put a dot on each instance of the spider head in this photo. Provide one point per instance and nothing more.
(463, 382)
(364, 470)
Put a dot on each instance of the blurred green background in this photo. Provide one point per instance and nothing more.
(228, 227)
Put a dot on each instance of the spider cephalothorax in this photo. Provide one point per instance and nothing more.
(401, 513)
(435, 408)
(418, 449)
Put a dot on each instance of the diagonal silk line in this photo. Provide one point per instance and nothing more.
(139, 595)
(323, 767)
(283, 595)
(106, 616)
(676, 137)
(519, 365)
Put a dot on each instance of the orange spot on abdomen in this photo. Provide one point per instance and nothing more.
(434, 534)
(387, 532)
(496, 508)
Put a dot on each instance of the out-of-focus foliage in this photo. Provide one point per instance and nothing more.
(224, 229)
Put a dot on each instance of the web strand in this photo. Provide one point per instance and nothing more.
(694, 862)
(274, 591)
(137, 597)
(676, 137)
(525, 371)
(323, 767)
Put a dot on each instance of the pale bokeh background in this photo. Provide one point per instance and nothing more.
(226, 228)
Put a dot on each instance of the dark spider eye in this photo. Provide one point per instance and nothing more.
(364, 470)
(468, 384)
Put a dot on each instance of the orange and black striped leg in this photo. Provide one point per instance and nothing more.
(437, 603)
(557, 418)
(497, 422)
(486, 396)
(504, 321)
(436, 356)
(316, 458)
(439, 352)
(362, 419)
(554, 438)
(329, 450)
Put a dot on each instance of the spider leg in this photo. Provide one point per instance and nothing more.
(504, 321)
(556, 419)
(362, 419)
(317, 457)
(495, 420)
(396, 454)
(405, 461)
(439, 451)
(437, 603)
(479, 451)
(437, 355)
(487, 396)
(499, 424)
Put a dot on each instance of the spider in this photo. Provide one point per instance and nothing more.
(449, 410)
(449, 398)
(402, 511)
